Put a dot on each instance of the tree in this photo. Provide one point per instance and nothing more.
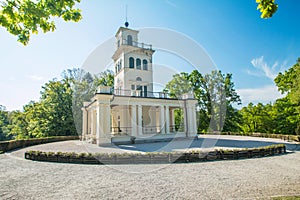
(267, 8)
(289, 83)
(215, 93)
(56, 106)
(254, 118)
(105, 78)
(4, 134)
(23, 18)
(284, 115)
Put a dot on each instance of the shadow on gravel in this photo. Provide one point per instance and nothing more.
(203, 143)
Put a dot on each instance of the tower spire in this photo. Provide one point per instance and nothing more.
(126, 22)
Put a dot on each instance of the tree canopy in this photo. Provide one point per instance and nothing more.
(267, 8)
(23, 18)
(283, 116)
(58, 112)
(215, 93)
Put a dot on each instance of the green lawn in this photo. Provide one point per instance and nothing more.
(287, 198)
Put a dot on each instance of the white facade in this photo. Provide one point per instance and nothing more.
(133, 109)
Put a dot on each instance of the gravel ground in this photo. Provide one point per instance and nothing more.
(260, 178)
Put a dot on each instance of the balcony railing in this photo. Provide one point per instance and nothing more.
(121, 130)
(136, 44)
(146, 130)
(140, 93)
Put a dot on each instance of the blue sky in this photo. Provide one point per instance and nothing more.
(254, 50)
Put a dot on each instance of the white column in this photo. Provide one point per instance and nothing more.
(172, 120)
(185, 122)
(167, 111)
(191, 117)
(133, 121)
(162, 120)
(98, 121)
(103, 135)
(92, 126)
(140, 120)
(84, 123)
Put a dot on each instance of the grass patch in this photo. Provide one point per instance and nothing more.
(287, 198)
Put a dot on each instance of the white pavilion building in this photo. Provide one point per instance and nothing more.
(133, 109)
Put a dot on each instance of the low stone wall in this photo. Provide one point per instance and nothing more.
(154, 158)
(295, 138)
(15, 144)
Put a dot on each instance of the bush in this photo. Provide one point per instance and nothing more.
(154, 157)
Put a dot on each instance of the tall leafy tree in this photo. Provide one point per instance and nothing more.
(289, 83)
(25, 17)
(215, 93)
(105, 78)
(4, 135)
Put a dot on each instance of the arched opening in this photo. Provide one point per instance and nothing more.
(131, 62)
(129, 40)
(145, 64)
(138, 63)
(138, 79)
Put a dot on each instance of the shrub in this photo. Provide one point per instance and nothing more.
(155, 157)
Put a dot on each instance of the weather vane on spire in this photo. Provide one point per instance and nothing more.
(126, 22)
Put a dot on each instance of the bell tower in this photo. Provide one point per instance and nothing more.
(133, 64)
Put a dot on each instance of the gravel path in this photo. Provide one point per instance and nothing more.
(259, 178)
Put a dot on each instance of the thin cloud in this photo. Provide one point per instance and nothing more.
(265, 94)
(264, 69)
(36, 78)
(171, 3)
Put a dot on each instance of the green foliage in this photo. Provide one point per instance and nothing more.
(4, 122)
(282, 117)
(215, 94)
(289, 84)
(25, 17)
(105, 78)
(287, 198)
(267, 8)
(58, 113)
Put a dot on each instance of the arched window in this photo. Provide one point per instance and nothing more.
(131, 62)
(145, 64)
(138, 63)
(138, 79)
(129, 40)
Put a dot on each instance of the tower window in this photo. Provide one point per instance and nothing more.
(131, 62)
(138, 63)
(129, 40)
(145, 64)
(138, 79)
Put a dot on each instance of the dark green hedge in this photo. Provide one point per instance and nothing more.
(15, 144)
(154, 157)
